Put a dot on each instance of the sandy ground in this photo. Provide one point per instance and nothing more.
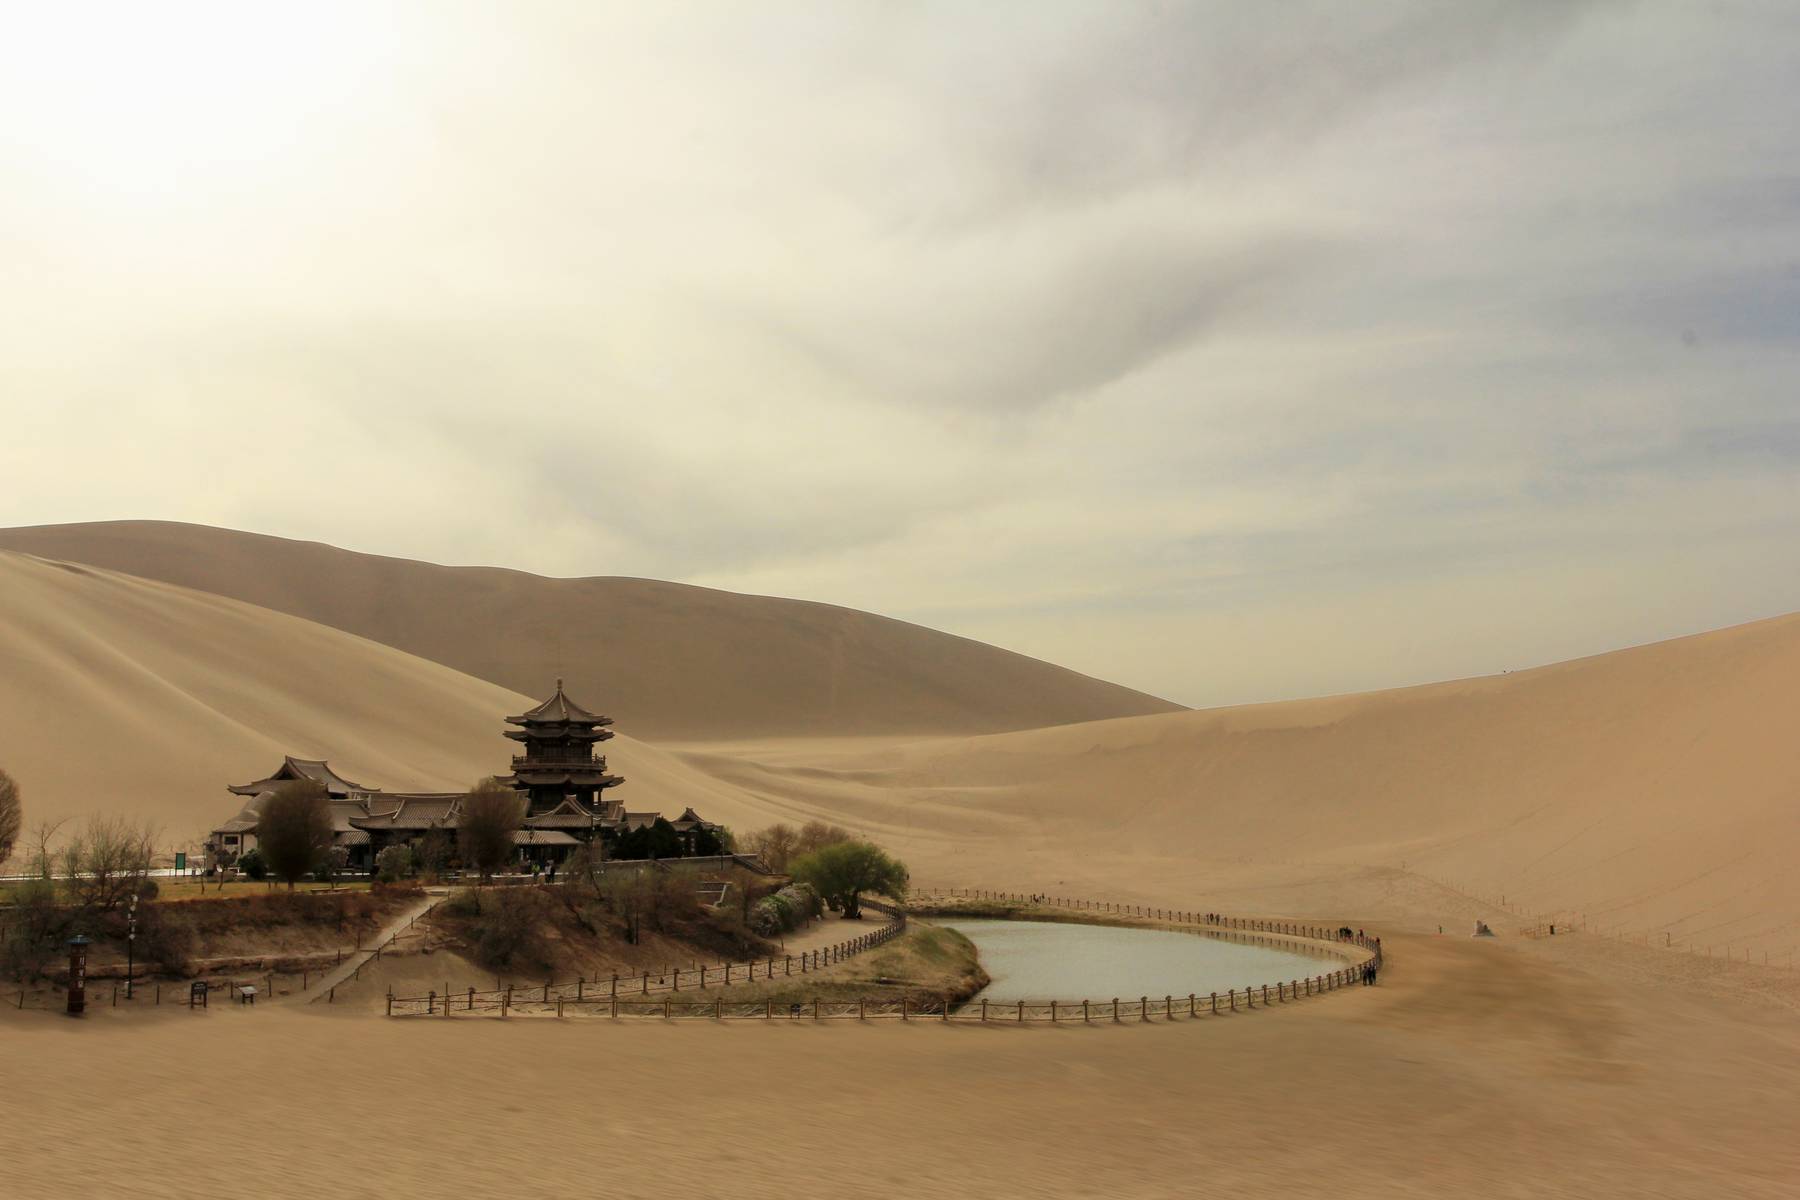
(1508, 1068)
(1647, 793)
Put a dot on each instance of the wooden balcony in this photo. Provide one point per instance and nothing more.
(525, 762)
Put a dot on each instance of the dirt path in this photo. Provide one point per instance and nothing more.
(351, 964)
(831, 929)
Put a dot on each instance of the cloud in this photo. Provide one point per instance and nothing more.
(1145, 337)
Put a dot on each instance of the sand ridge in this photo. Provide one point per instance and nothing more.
(670, 660)
(126, 695)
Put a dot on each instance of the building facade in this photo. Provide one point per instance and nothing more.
(560, 776)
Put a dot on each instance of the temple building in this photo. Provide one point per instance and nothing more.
(561, 778)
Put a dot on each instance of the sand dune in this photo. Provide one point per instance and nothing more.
(123, 694)
(675, 661)
(1655, 787)
(1655, 790)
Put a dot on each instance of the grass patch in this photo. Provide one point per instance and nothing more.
(926, 963)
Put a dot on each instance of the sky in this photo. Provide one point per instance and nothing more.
(1230, 351)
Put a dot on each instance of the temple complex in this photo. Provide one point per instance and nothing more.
(560, 776)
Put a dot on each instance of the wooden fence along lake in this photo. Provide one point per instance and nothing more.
(1304, 948)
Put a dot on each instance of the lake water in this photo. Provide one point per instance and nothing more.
(1042, 960)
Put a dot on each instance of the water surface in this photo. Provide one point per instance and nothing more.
(1041, 960)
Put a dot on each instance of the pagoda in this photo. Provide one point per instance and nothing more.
(559, 769)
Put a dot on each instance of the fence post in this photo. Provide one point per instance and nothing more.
(471, 999)
(1143, 1008)
(430, 1003)
(815, 1008)
(559, 1006)
(646, 983)
(984, 1012)
(1215, 1002)
(1021, 1017)
(390, 1002)
(1053, 1012)
(1191, 1011)
(1115, 1010)
(667, 1002)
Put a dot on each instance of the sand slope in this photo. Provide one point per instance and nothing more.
(123, 694)
(676, 661)
(1655, 789)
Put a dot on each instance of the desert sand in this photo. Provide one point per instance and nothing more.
(1650, 789)
(129, 695)
(671, 660)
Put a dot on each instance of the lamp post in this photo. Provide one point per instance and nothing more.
(130, 942)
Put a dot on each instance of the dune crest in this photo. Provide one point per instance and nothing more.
(1653, 789)
(678, 661)
(126, 695)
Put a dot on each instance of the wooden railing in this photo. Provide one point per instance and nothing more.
(607, 998)
(611, 990)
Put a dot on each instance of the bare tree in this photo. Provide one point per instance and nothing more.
(42, 834)
(815, 836)
(774, 845)
(107, 860)
(490, 816)
(12, 814)
(293, 830)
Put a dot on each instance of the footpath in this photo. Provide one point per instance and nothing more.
(354, 962)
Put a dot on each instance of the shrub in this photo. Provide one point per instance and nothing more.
(253, 866)
(148, 889)
(506, 934)
(766, 918)
(463, 902)
(34, 934)
(162, 941)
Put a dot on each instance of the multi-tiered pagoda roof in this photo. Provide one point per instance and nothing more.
(559, 764)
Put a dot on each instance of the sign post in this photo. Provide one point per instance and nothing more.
(77, 975)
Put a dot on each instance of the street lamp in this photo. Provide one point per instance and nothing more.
(130, 941)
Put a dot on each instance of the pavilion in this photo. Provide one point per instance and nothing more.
(559, 774)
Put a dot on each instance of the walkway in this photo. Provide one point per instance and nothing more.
(346, 969)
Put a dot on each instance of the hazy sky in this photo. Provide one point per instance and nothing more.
(1233, 351)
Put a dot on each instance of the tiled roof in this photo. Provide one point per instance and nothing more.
(559, 709)
(316, 769)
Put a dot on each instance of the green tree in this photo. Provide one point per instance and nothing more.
(843, 871)
(293, 830)
(253, 865)
(393, 863)
(490, 816)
